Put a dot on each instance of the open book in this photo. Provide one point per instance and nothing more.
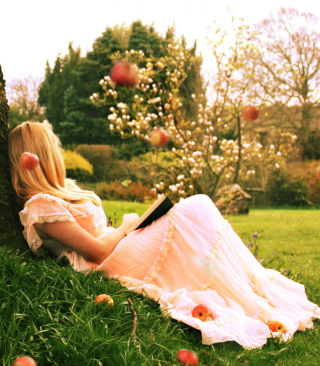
(160, 207)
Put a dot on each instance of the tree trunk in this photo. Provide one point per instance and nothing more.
(238, 166)
(10, 226)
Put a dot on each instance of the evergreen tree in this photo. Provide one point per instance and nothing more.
(57, 81)
(139, 38)
(67, 88)
(84, 122)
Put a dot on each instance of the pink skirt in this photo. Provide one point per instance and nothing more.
(193, 256)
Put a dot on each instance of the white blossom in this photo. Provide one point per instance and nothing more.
(121, 106)
(112, 117)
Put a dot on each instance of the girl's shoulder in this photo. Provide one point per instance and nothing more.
(47, 202)
(44, 207)
(44, 197)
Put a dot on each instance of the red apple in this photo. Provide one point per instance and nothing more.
(104, 298)
(124, 74)
(319, 172)
(276, 326)
(203, 313)
(29, 161)
(159, 137)
(250, 113)
(187, 357)
(24, 361)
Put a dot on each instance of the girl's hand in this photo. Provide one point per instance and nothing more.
(128, 220)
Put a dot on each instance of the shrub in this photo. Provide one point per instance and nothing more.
(131, 148)
(307, 171)
(149, 169)
(154, 167)
(125, 191)
(288, 191)
(311, 147)
(77, 166)
(101, 158)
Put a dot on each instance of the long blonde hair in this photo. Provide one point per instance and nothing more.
(50, 175)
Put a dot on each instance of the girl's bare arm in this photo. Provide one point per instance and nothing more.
(78, 239)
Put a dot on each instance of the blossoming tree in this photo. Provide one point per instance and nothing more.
(218, 147)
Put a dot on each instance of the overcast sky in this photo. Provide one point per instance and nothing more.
(34, 31)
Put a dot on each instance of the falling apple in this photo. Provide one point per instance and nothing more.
(24, 361)
(187, 357)
(29, 161)
(203, 313)
(276, 326)
(104, 298)
(124, 74)
(250, 113)
(159, 137)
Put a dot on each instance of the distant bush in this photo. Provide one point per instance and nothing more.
(286, 190)
(311, 149)
(125, 191)
(152, 168)
(77, 166)
(131, 148)
(307, 171)
(101, 158)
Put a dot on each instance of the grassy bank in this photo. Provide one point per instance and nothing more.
(47, 309)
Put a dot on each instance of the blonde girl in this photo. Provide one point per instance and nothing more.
(189, 256)
(49, 180)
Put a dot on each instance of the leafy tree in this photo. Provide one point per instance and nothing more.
(206, 156)
(23, 97)
(139, 39)
(56, 82)
(84, 122)
(67, 87)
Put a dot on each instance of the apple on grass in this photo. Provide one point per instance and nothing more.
(24, 361)
(104, 298)
(29, 161)
(159, 137)
(250, 113)
(187, 357)
(203, 313)
(276, 326)
(124, 74)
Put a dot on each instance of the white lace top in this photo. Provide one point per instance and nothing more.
(47, 208)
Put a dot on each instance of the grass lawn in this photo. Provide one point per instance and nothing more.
(47, 309)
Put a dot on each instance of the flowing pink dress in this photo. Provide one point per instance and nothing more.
(189, 256)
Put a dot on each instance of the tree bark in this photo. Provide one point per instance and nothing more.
(10, 226)
(238, 166)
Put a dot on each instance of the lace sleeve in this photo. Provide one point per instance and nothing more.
(40, 209)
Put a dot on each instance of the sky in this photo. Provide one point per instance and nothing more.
(36, 31)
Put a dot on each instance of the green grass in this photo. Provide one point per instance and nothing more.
(47, 309)
(116, 209)
(293, 234)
